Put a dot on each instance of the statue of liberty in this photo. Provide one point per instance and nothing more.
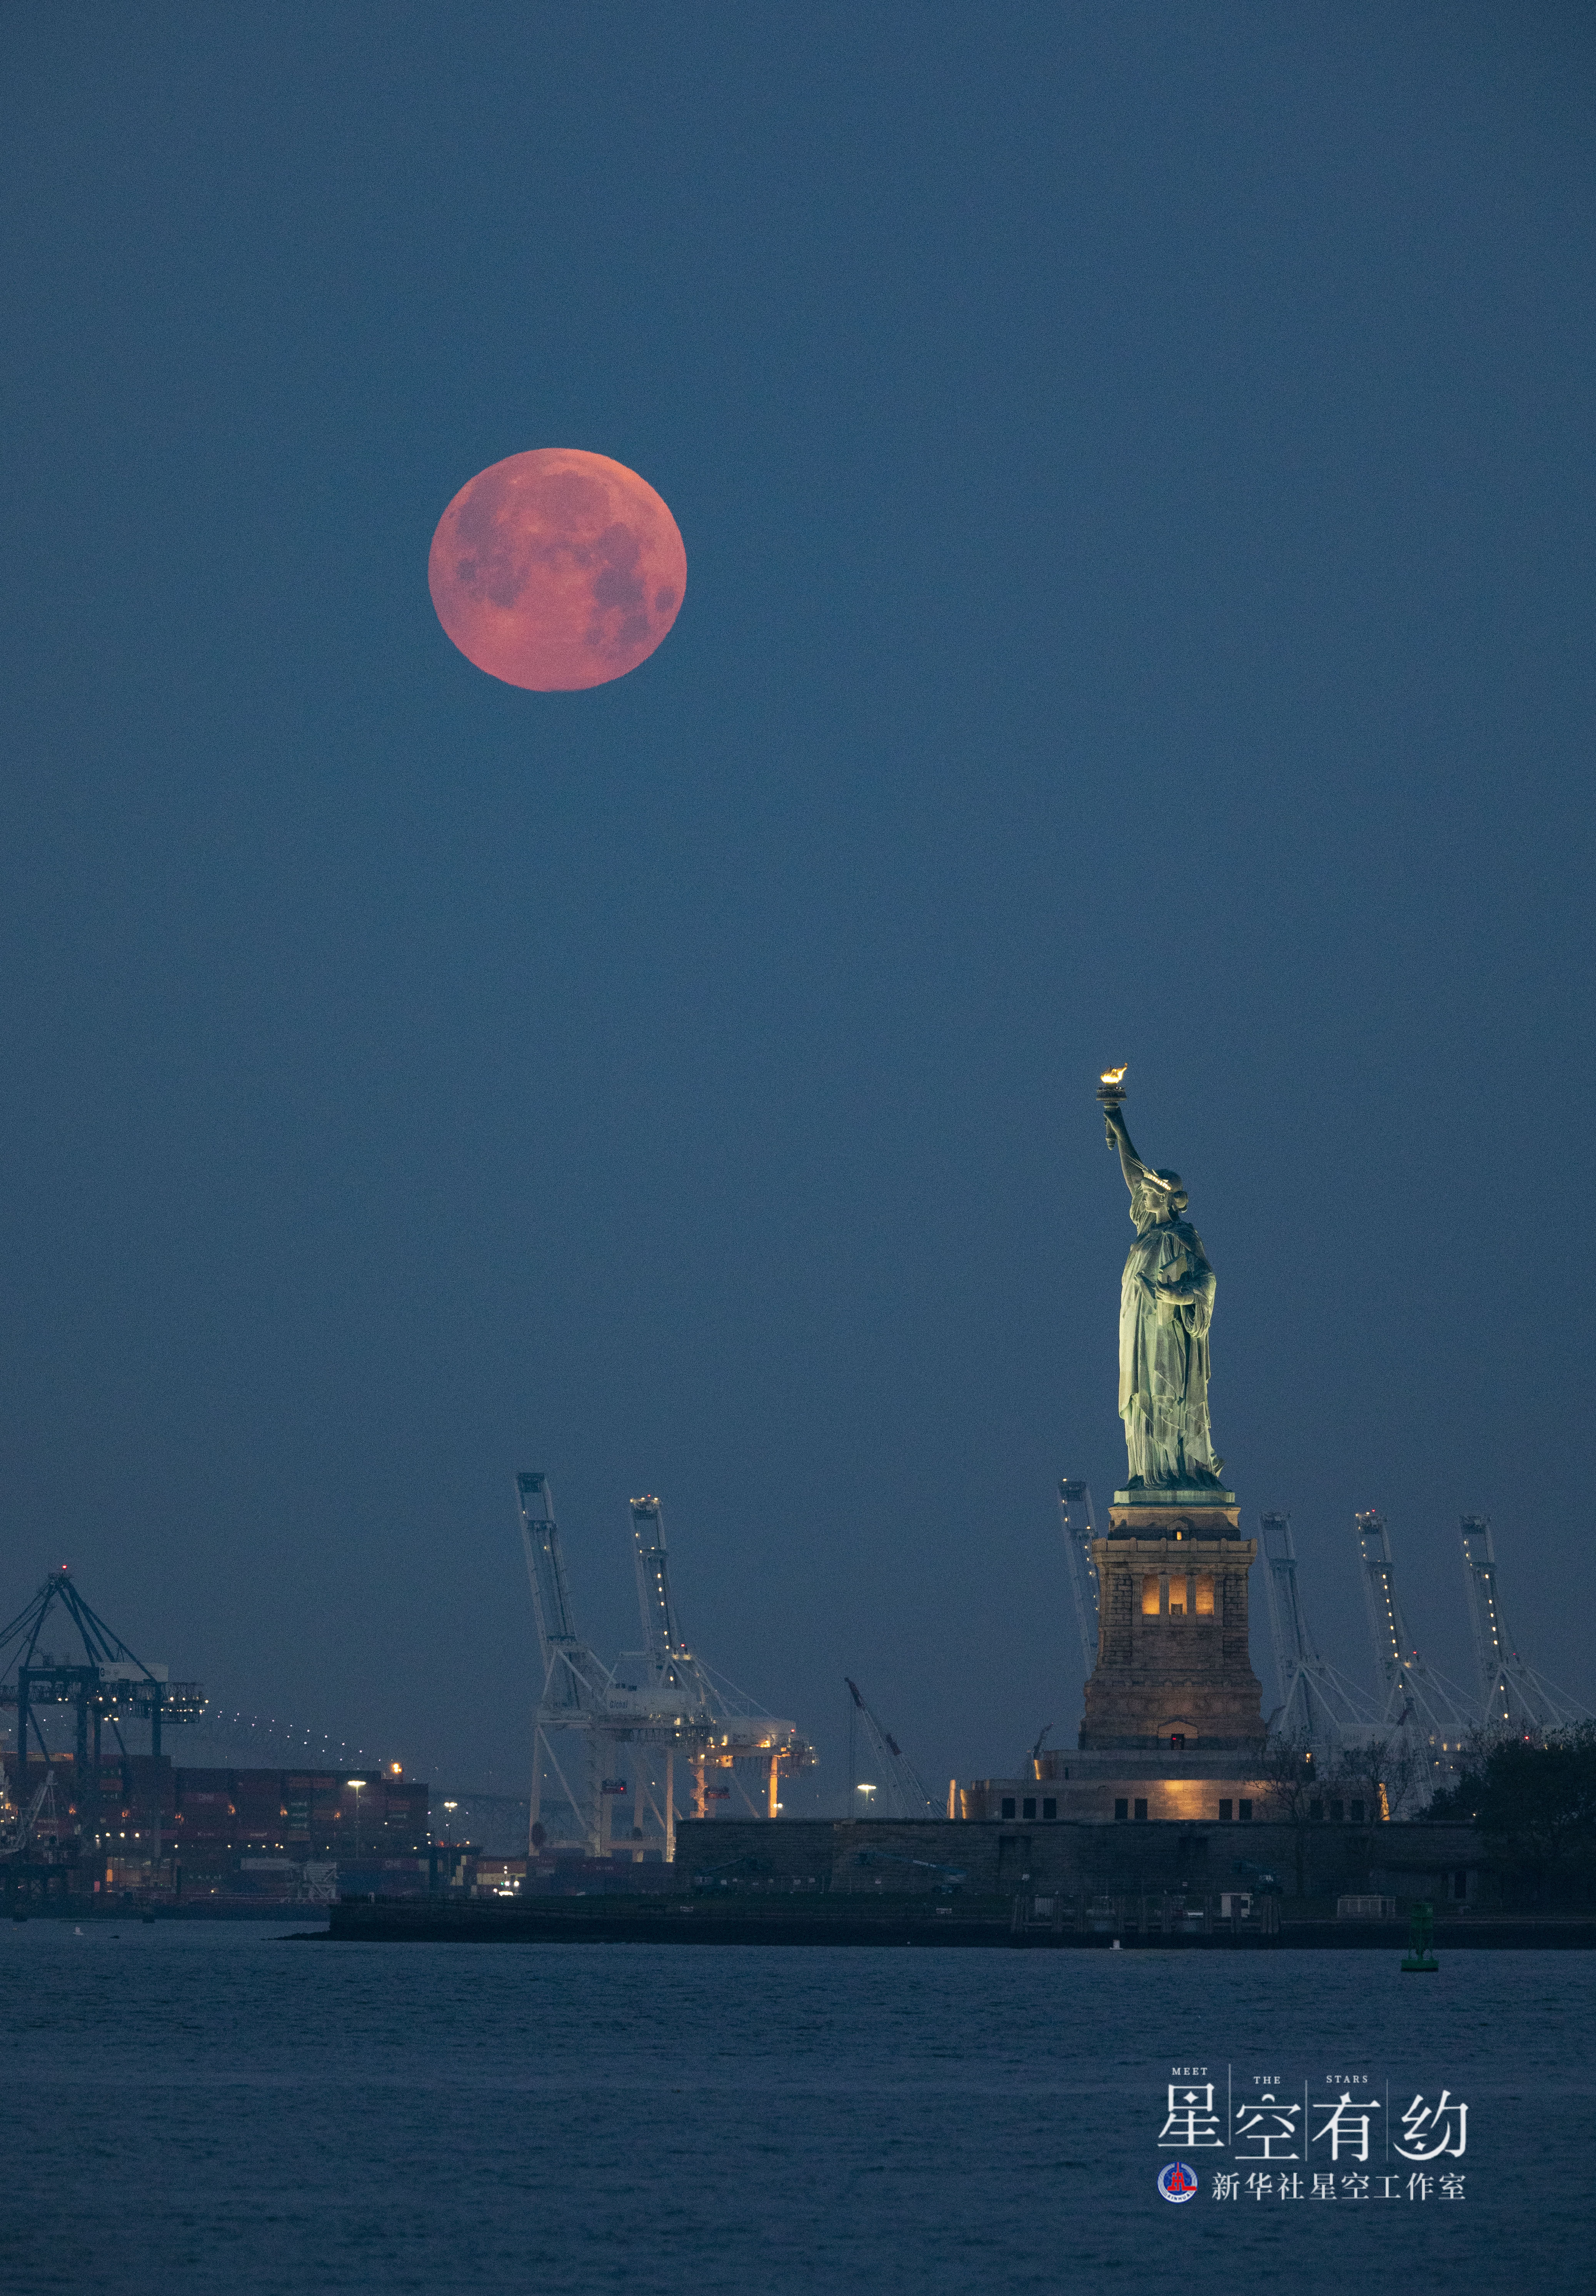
(1166, 1306)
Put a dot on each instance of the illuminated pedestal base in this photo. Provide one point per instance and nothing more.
(1174, 1677)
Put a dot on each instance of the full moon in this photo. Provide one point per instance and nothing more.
(557, 570)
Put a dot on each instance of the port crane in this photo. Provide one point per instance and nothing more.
(619, 1730)
(1516, 1697)
(105, 1682)
(722, 1725)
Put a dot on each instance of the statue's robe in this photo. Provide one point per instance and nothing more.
(1163, 1351)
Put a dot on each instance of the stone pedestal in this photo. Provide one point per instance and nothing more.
(1173, 1669)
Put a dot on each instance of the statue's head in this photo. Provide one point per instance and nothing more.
(1159, 1197)
(1172, 1192)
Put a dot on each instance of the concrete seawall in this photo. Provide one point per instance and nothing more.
(1071, 1857)
(822, 1882)
(888, 1922)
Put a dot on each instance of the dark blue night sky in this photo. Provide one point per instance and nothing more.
(1135, 468)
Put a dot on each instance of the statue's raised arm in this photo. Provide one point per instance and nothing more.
(1136, 1171)
(1155, 1196)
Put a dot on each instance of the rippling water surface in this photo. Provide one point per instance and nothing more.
(205, 2107)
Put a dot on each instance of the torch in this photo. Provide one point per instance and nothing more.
(1110, 1092)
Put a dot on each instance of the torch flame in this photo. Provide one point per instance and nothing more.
(1113, 1076)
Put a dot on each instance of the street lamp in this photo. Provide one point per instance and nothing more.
(356, 1785)
(866, 1792)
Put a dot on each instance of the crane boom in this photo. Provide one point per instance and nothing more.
(1417, 1702)
(1387, 1625)
(575, 1679)
(1078, 1521)
(576, 1683)
(1318, 1706)
(1293, 1643)
(1516, 1697)
(902, 1784)
(661, 1634)
(678, 1680)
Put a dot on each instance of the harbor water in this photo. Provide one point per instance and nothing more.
(200, 2107)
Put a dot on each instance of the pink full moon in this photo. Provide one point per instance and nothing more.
(557, 570)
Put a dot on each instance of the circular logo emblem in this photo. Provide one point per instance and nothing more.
(1178, 2181)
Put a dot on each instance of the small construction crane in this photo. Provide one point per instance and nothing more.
(902, 1790)
(1078, 1521)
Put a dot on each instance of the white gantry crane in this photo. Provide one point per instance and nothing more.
(619, 1731)
(1318, 1706)
(681, 1703)
(1517, 1698)
(1426, 1710)
(902, 1790)
(1079, 1523)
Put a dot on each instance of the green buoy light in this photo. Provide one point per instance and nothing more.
(1419, 1961)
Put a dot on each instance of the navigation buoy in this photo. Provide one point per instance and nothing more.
(1419, 1961)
